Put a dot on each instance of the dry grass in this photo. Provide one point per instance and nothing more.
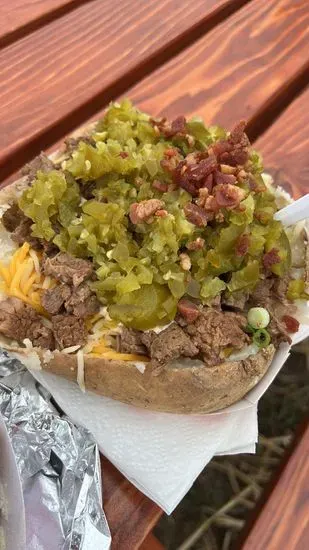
(214, 511)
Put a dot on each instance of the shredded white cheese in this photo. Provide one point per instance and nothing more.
(36, 262)
(46, 283)
(47, 356)
(159, 329)
(81, 370)
(28, 343)
(71, 349)
(244, 353)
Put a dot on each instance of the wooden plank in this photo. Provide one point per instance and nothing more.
(130, 514)
(20, 16)
(285, 147)
(238, 70)
(284, 519)
(80, 61)
(151, 543)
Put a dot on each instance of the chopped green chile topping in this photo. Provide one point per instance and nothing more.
(130, 160)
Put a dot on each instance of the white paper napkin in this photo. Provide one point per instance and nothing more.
(161, 453)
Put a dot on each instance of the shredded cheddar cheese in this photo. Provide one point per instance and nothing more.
(22, 278)
(100, 348)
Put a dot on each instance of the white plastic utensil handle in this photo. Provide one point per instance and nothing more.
(294, 212)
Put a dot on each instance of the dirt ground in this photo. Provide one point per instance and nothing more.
(214, 512)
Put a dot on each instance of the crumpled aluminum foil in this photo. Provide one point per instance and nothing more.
(58, 464)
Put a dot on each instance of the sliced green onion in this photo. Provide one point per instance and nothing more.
(249, 329)
(258, 317)
(261, 338)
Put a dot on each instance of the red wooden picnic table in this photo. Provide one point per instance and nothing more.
(62, 61)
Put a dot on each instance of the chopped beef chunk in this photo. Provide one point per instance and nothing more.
(280, 287)
(69, 331)
(278, 332)
(213, 330)
(130, 342)
(82, 302)
(12, 217)
(67, 269)
(169, 344)
(41, 162)
(15, 221)
(72, 143)
(235, 149)
(50, 249)
(142, 211)
(19, 321)
(188, 310)
(23, 233)
(262, 292)
(54, 298)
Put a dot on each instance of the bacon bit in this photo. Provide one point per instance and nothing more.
(219, 217)
(228, 196)
(190, 140)
(224, 178)
(161, 213)
(203, 196)
(185, 261)
(242, 245)
(256, 187)
(188, 310)
(160, 186)
(123, 154)
(171, 152)
(292, 325)
(197, 244)
(226, 169)
(199, 171)
(196, 215)
(235, 149)
(211, 204)
(178, 126)
(172, 187)
(208, 182)
(142, 211)
(191, 175)
(270, 258)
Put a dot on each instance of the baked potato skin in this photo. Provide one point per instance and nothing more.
(187, 390)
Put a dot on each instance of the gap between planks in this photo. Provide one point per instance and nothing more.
(40, 21)
(120, 85)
